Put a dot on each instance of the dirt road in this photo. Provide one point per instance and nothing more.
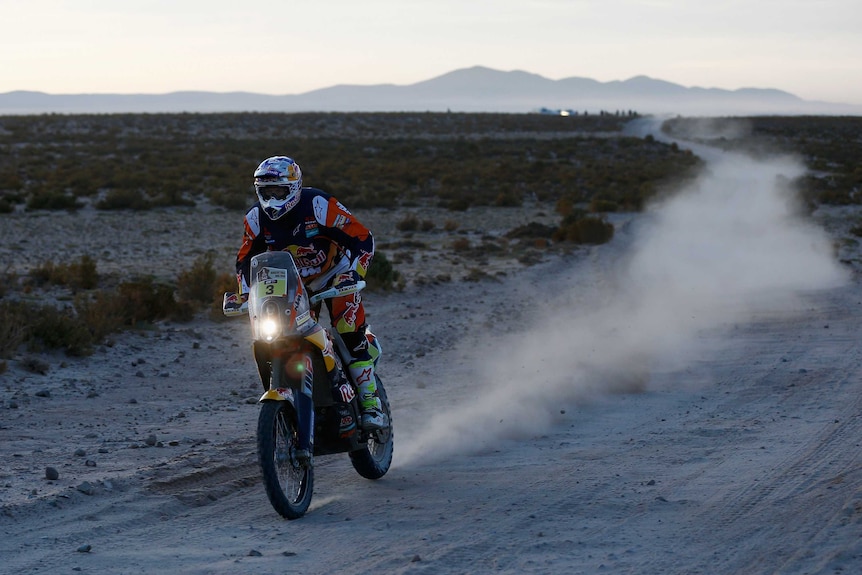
(609, 411)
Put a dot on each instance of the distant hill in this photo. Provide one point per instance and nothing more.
(476, 89)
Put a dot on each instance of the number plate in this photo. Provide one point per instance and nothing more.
(271, 282)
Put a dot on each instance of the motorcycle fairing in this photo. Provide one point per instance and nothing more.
(280, 394)
(320, 339)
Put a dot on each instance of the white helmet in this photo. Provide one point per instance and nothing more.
(278, 183)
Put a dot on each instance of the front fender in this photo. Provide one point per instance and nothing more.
(280, 394)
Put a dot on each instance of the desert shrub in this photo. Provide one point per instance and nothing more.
(124, 199)
(403, 257)
(80, 274)
(14, 329)
(83, 273)
(598, 204)
(6, 206)
(451, 225)
(35, 365)
(224, 282)
(55, 328)
(409, 223)
(337, 151)
(202, 286)
(508, 199)
(146, 301)
(405, 150)
(102, 312)
(166, 190)
(461, 204)
(52, 200)
(232, 199)
(478, 275)
(382, 275)
(198, 282)
(8, 281)
(564, 206)
(94, 314)
(830, 146)
(10, 180)
(412, 223)
(73, 329)
(461, 244)
(531, 231)
(408, 244)
(45, 273)
(836, 197)
(584, 230)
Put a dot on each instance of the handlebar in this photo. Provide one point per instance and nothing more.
(336, 292)
(233, 306)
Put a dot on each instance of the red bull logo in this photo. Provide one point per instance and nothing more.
(305, 251)
(346, 392)
(309, 258)
(343, 278)
(350, 313)
(364, 260)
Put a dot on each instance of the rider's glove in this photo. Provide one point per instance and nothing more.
(235, 304)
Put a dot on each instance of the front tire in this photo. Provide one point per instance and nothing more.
(289, 482)
(372, 461)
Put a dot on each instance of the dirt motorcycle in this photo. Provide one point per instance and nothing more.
(310, 406)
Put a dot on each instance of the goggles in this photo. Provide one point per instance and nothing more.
(274, 192)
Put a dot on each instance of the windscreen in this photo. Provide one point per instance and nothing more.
(273, 288)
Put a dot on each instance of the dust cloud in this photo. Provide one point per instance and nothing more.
(727, 246)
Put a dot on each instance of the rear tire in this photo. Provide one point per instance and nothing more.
(374, 459)
(289, 483)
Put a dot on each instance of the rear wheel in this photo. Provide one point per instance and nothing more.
(289, 481)
(374, 459)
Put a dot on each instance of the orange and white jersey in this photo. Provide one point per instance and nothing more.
(323, 237)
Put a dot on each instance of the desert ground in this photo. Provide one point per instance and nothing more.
(683, 399)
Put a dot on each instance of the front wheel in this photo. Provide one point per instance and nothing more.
(289, 481)
(372, 461)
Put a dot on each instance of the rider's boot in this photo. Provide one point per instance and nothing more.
(373, 417)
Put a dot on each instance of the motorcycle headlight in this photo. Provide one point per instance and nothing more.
(269, 328)
(270, 324)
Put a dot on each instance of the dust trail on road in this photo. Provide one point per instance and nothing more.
(728, 245)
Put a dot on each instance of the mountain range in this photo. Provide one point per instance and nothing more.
(476, 89)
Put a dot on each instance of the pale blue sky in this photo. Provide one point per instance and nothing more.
(810, 48)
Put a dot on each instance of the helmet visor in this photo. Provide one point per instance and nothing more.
(273, 192)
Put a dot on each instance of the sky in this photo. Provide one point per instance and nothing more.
(811, 48)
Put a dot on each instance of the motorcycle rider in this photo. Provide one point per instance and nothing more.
(330, 247)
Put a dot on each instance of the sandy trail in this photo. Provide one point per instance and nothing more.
(725, 444)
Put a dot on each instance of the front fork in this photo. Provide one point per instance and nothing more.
(295, 388)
